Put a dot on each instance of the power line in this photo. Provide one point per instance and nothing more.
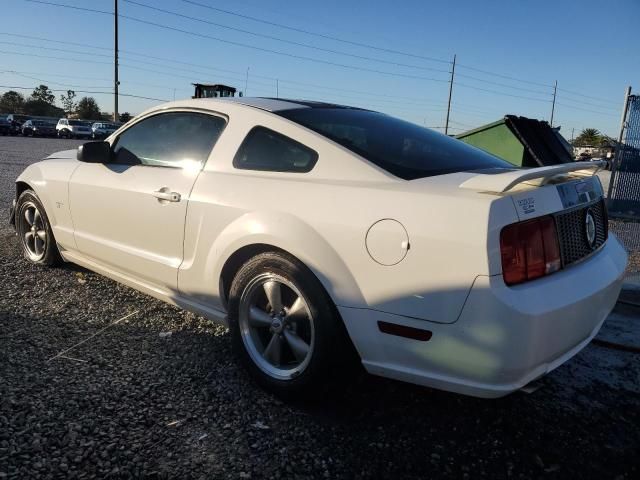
(502, 93)
(88, 91)
(73, 7)
(54, 49)
(95, 61)
(486, 72)
(81, 60)
(582, 102)
(50, 81)
(570, 92)
(290, 42)
(469, 67)
(586, 110)
(379, 102)
(56, 75)
(31, 37)
(216, 69)
(320, 35)
(244, 45)
(277, 52)
(377, 96)
(502, 84)
(71, 86)
(462, 124)
(506, 77)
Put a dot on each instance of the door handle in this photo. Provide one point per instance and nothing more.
(166, 195)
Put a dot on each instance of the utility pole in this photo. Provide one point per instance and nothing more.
(572, 130)
(623, 120)
(453, 71)
(618, 151)
(553, 105)
(246, 82)
(277, 89)
(115, 62)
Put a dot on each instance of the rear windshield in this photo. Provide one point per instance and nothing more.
(403, 149)
(41, 123)
(79, 123)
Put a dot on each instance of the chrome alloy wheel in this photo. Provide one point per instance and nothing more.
(33, 231)
(276, 326)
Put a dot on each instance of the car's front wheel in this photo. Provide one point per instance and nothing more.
(284, 327)
(34, 231)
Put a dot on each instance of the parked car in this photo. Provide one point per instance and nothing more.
(103, 129)
(5, 126)
(16, 121)
(38, 128)
(319, 232)
(68, 128)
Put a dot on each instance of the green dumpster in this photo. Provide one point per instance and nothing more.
(522, 141)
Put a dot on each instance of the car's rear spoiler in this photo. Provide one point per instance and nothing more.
(503, 182)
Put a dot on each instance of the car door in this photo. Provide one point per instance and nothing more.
(129, 214)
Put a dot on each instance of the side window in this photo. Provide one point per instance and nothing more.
(176, 139)
(266, 150)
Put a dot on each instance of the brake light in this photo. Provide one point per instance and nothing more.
(529, 250)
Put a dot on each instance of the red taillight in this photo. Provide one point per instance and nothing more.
(529, 250)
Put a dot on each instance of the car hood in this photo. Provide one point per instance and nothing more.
(64, 154)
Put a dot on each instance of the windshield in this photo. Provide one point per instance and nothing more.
(403, 149)
(78, 123)
(40, 123)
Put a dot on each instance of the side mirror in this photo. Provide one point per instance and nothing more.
(94, 152)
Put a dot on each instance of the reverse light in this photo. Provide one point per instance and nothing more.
(529, 250)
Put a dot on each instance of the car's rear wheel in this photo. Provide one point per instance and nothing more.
(34, 231)
(285, 329)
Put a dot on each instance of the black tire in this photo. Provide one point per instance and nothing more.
(51, 255)
(330, 353)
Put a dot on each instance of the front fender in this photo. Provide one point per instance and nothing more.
(33, 177)
(49, 179)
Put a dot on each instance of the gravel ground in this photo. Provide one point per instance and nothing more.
(129, 402)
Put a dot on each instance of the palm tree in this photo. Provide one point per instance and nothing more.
(588, 136)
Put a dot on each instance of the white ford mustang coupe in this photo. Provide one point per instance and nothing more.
(314, 230)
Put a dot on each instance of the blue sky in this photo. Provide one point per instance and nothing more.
(509, 54)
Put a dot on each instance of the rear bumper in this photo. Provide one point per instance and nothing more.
(505, 337)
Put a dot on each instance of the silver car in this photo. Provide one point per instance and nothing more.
(103, 129)
(69, 128)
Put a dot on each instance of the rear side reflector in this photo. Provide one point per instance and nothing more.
(529, 250)
(404, 331)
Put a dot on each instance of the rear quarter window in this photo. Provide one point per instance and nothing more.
(266, 150)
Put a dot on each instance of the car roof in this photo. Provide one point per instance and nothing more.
(263, 103)
(266, 104)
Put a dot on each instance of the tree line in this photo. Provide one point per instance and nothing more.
(42, 102)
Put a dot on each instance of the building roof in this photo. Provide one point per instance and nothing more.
(214, 85)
